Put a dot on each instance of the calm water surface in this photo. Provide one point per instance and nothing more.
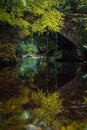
(66, 78)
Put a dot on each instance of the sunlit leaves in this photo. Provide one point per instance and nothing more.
(39, 7)
(14, 21)
(43, 12)
(50, 20)
(48, 17)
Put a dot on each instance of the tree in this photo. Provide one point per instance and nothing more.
(42, 15)
(73, 6)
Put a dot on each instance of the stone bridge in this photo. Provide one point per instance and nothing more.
(71, 29)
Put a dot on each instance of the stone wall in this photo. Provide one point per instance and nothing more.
(70, 31)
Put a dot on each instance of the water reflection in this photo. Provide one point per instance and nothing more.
(39, 109)
(28, 68)
(44, 73)
(21, 104)
(28, 71)
(32, 69)
(12, 113)
(28, 107)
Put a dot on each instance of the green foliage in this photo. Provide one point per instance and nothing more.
(75, 6)
(48, 21)
(42, 12)
(68, 6)
(27, 46)
(13, 4)
(13, 20)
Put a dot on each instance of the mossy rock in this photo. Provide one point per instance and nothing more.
(7, 54)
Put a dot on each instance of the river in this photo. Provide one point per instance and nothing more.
(67, 79)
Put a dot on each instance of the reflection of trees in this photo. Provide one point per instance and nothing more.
(12, 113)
(76, 119)
(40, 106)
(75, 125)
(39, 72)
(7, 54)
(72, 94)
(28, 69)
(7, 75)
(30, 108)
(36, 108)
(9, 84)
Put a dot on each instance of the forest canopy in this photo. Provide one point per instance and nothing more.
(38, 15)
(31, 15)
